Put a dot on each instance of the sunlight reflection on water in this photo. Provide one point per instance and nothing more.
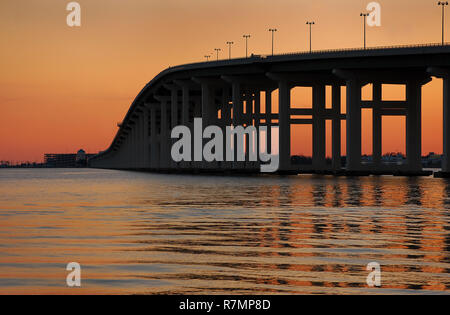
(150, 233)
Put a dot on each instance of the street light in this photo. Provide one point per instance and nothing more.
(246, 44)
(229, 49)
(207, 57)
(443, 4)
(310, 34)
(217, 51)
(273, 30)
(364, 16)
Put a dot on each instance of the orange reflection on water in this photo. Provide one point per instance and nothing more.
(147, 233)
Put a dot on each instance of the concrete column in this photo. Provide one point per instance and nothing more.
(285, 125)
(226, 108)
(225, 122)
(197, 108)
(249, 107)
(237, 117)
(174, 108)
(336, 127)
(237, 104)
(132, 162)
(248, 121)
(257, 120)
(174, 122)
(319, 134)
(446, 159)
(208, 105)
(138, 141)
(164, 158)
(269, 120)
(209, 115)
(129, 161)
(154, 156)
(185, 109)
(146, 138)
(414, 125)
(141, 140)
(185, 118)
(353, 125)
(376, 124)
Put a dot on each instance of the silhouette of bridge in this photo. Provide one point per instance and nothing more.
(229, 92)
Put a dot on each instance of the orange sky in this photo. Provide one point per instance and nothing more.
(65, 88)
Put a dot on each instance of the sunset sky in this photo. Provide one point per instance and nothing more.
(62, 88)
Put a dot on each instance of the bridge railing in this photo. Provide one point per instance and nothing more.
(325, 51)
(253, 57)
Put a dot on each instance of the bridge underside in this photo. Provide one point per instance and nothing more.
(240, 93)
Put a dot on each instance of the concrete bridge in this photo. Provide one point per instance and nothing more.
(231, 92)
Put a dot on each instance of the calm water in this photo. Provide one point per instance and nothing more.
(148, 233)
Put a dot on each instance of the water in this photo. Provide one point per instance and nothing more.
(149, 233)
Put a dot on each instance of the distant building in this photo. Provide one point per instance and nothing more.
(67, 160)
(432, 160)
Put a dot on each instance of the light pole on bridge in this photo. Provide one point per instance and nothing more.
(310, 34)
(443, 4)
(217, 52)
(364, 16)
(273, 30)
(229, 49)
(207, 57)
(246, 44)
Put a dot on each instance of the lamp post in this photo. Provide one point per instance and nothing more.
(229, 49)
(246, 44)
(443, 4)
(217, 52)
(273, 30)
(310, 34)
(207, 57)
(364, 16)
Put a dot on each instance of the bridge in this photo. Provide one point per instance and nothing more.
(238, 92)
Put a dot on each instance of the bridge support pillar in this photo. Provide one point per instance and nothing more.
(153, 139)
(248, 106)
(284, 126)
(319, 134)
(174, 122)
(164, 156)
(186, 86)
(208, 105)
(446, 159)
(377, 125)
(414, 125)
(257, 122)
(224, 122)
(139, 142)
(353, 125)
(268, 143)
(247, 122)
(237, 117)
(184, 119)
(336, 126)
(209, 114)
(185, 106)
(144, 139)
(444, 73)
(134, 147)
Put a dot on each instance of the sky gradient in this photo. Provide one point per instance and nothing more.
(62, 88)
